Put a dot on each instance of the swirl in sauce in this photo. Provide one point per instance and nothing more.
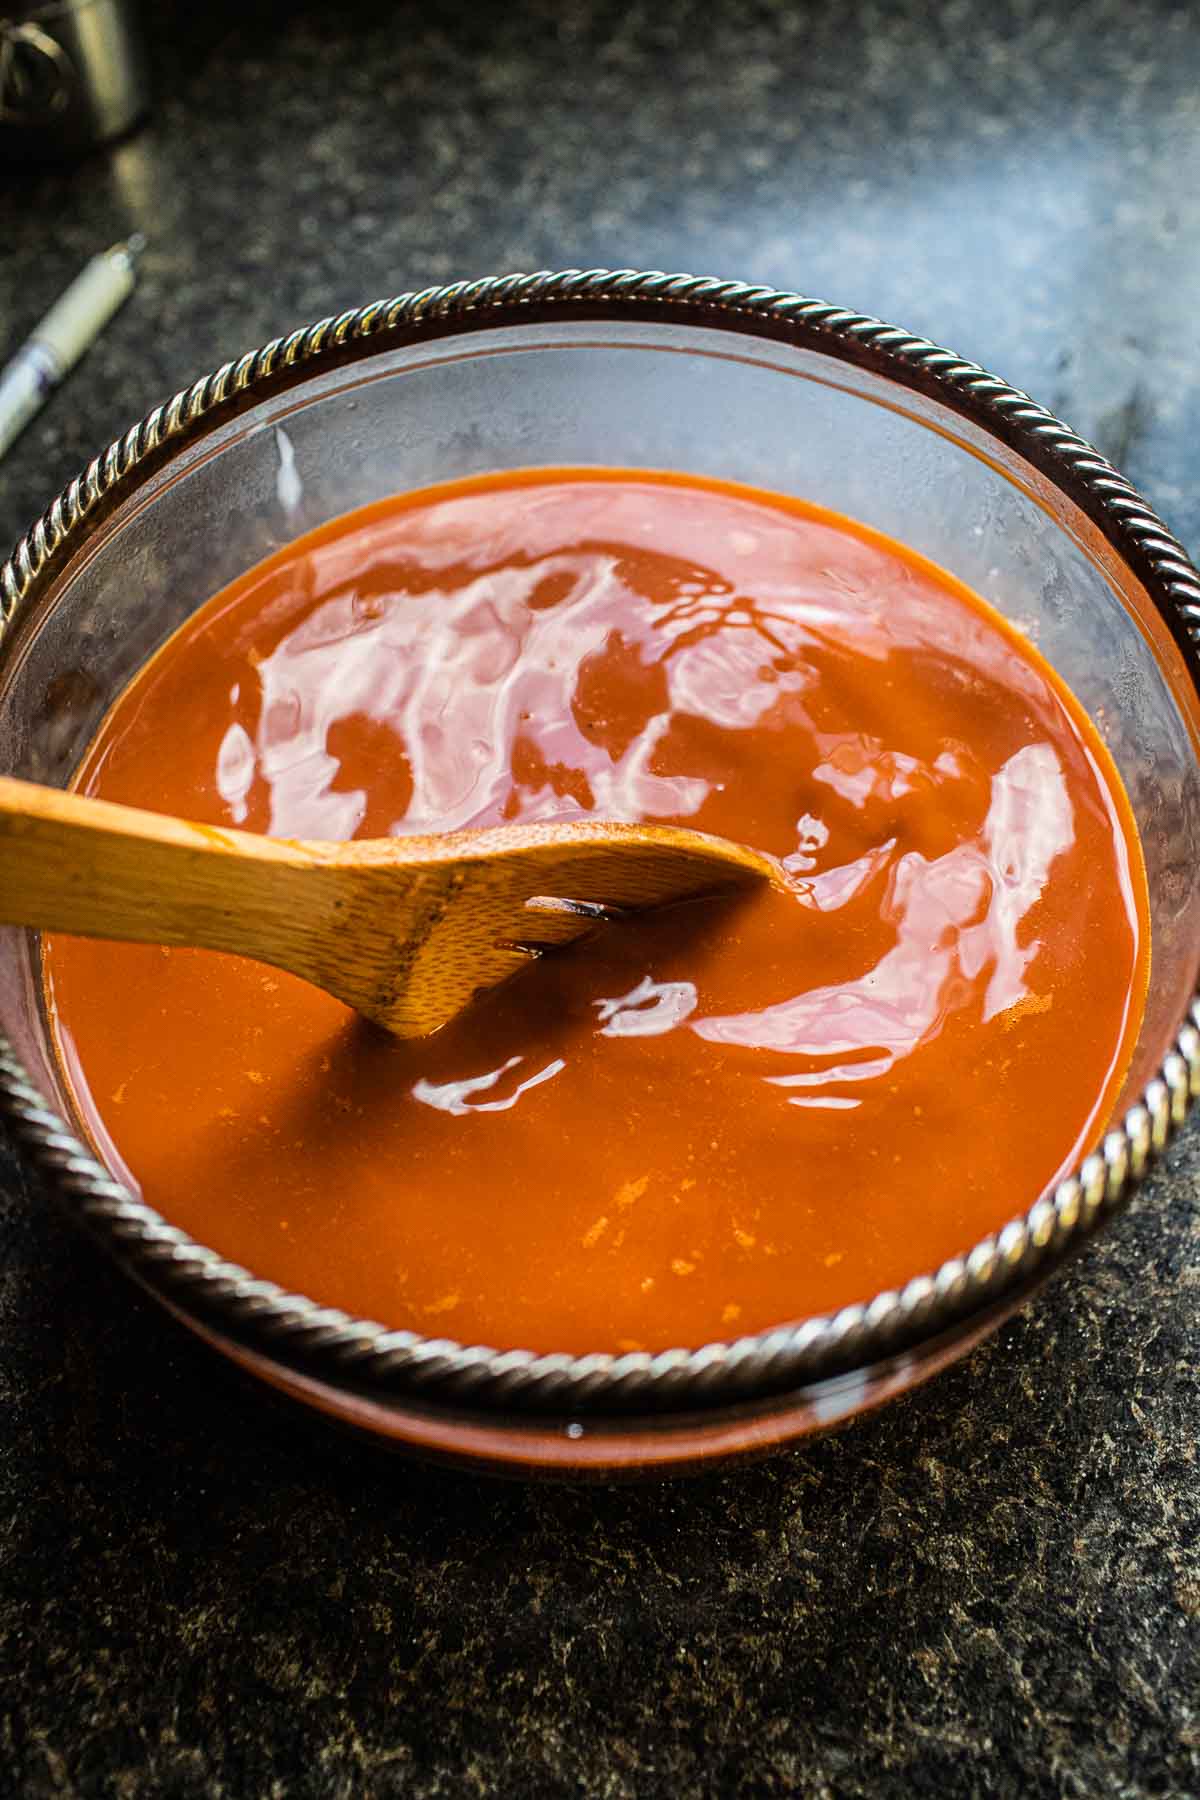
(702, 1122)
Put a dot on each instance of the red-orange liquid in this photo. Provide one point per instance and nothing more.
(701, 1123)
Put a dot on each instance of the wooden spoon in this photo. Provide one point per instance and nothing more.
(406, 930)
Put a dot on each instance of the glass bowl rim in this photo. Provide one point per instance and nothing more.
(368, 1358)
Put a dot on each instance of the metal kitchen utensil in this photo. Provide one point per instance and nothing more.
(72, 77)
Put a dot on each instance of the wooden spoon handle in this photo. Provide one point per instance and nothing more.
(73, 864)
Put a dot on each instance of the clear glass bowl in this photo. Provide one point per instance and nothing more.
(714, 379)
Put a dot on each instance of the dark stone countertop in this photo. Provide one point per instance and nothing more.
(993, 1587)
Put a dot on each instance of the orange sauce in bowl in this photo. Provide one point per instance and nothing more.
(704, 1121)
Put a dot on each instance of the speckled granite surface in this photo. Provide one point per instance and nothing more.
(994, 1586)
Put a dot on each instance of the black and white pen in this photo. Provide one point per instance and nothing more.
(73, 323)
